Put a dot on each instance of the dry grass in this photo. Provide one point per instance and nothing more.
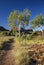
(21, 53)
(4, 39)
(20, 42)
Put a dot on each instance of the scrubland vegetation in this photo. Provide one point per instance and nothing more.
(27, 47)
(21, 47)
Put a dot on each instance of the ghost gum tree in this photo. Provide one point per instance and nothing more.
(16, 18)
(37, 22)
(12, 20)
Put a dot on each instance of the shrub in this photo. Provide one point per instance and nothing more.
(1, 33)
(29, 37)
(34, 33)
(4, 33)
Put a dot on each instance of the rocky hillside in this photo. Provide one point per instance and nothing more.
(2, 28)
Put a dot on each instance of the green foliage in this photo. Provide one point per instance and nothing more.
(27, 15)
(23, 36)
(16, 34)
(12, 18)
(16, 18)
(29, 37)
(4, 33)
(38, 21)
(34, 33)
(11, 33)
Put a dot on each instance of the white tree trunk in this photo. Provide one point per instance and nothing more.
(42, 33)
(19, 30)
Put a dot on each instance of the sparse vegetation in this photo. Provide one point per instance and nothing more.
(26, 46)
(22, 56)
(4, 39)
(21, 46)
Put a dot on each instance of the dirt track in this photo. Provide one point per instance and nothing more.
(7, 55)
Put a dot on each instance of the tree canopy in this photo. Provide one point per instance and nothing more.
(38, 21)
(16, 17)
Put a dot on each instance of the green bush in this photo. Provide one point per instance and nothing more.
(4, 33)
(34, 33)
(1, 33)
(23, 36)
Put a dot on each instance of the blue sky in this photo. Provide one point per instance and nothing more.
(6, 6)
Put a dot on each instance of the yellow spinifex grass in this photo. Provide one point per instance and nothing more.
(19, 45)
(19, 41)
(4, 39)
(21, 53)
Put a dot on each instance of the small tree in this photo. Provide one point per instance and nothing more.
(12, 20)
(16, 18)
(23, 17)
(38, 21)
